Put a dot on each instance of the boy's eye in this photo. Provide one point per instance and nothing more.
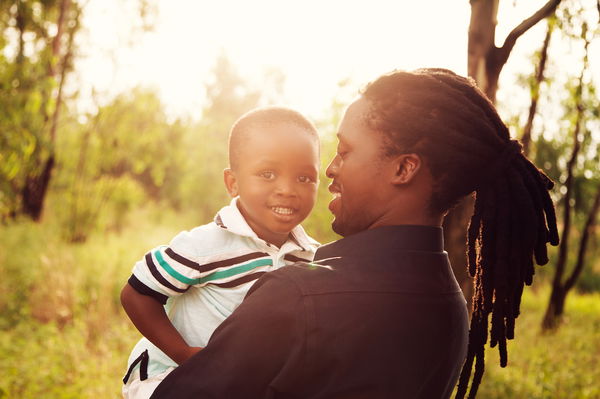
(305, 179)
(267, 175)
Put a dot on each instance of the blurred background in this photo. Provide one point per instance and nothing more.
(114, 118)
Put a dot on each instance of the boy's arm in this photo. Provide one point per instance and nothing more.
(149, 317)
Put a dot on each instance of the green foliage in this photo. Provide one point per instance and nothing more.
(124, 154)
(590, 277)
(28, 86)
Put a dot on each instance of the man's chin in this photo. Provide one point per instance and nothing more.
(338, 227)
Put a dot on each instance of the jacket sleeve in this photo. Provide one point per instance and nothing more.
(256, 353)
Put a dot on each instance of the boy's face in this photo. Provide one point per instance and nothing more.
(276, 179)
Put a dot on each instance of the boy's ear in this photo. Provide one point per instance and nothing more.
(230, 182)
(406, 167)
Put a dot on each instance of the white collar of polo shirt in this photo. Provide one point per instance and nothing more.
(230, 218)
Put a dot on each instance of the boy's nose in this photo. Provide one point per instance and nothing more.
(285, 187)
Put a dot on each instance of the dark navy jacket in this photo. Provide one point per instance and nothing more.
(379, 314)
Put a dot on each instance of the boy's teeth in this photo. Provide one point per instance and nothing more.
(283, 211)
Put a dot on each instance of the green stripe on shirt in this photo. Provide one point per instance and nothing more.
(236, 270)
(213, 276)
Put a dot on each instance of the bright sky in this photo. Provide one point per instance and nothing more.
(315, 43)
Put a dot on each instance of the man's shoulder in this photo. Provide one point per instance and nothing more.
(300, 278)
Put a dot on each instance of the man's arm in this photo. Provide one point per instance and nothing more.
(253, 354)
(149, 317)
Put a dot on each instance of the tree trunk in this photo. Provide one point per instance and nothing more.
(588, 232)
(555, 309)
(35, 190)
(37, 183)
(557, 298)
(482, 34)
(485, 60)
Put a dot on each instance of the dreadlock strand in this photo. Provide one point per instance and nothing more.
(499, 285)
(544, 185)
(534, 223)
(478, 375)
(503, 351)
(537, 192)
(487, 264)
(473, 232)
(521, 244)
(482, 298)
(477, 339)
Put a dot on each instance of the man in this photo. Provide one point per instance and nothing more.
(377, 315)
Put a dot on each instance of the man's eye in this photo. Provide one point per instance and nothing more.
(267, 175)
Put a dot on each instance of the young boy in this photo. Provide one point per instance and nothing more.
(204, 274)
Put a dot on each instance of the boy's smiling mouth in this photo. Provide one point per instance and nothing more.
(280, 210)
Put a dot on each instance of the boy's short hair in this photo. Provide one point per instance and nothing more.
(262, 117)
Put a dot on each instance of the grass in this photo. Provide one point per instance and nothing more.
(63, 333)
(557, 365)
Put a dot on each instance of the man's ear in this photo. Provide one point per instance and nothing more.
(406, 167)
(230, 182)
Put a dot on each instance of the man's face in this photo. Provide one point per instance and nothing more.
(276, 179)
(359, 172)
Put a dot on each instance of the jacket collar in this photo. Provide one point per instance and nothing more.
(386, 239)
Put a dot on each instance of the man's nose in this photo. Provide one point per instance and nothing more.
(333, 166)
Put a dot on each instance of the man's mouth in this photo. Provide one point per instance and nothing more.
(337, 196)
(335, 190)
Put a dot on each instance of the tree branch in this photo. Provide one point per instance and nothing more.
(66, 60)
(56, 42)
(564, 241)
(535, 95)
(526, 24)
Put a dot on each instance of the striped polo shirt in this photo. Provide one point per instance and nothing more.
(203, 275)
